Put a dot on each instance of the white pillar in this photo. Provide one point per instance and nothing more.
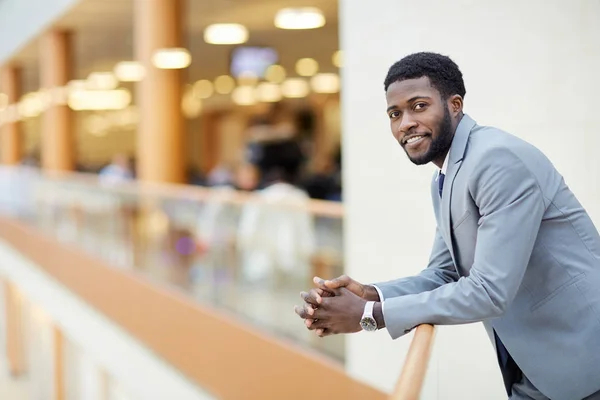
(530, 68)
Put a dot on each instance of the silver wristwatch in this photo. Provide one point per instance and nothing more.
(367, 322)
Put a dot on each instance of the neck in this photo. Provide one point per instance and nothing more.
(439, 162)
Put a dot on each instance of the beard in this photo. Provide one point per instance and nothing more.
(440, 145)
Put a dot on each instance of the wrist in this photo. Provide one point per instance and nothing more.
(371, 293)
(378, 315)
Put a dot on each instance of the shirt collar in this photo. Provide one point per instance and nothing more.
(445, 165)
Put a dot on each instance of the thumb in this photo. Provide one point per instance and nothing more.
(339, 282)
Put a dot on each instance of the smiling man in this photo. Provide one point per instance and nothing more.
(513, 247)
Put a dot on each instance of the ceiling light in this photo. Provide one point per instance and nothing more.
(225, 34)
(203, 89)
(77, 84)
(299, 18)
(325, 83)
(337, 59)
(224, 84)
(31, 105)
(268, 92)
(172, 58)
(129, 71)
(244, 96)
(275, 73)
(307, 66)
(102, 81)
(95, 100)
(295, 88)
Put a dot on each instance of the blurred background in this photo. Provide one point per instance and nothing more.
(172, 178)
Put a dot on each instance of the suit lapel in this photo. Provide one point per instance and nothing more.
(457, 153)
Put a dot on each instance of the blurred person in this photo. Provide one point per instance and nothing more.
(218, 217)
(195, 176)
(513, 247)
(220, 175)
(276, 233)
(118, 171)
(324, 183)
(246, 177)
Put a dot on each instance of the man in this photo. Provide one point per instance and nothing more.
(513, 246)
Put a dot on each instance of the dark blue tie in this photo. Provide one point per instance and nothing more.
(441, 182)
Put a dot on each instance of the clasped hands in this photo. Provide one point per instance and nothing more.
(335, 306)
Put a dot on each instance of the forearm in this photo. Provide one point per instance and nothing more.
(429, 279)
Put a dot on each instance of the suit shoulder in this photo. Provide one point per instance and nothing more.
(488, 144)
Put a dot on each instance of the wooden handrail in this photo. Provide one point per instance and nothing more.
(413, 373)
(319, 208)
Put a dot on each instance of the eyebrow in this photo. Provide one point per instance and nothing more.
(390, 108)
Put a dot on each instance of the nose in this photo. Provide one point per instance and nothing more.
(406, 124)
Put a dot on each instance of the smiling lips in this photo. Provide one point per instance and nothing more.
(413, 140)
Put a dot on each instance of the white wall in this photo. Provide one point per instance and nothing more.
(530, 68)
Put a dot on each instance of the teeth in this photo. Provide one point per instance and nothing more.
(413, 139)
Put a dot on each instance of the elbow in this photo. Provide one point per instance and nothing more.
(498, 308)
(497, 300)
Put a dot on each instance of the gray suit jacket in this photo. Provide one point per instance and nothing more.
(516, 250)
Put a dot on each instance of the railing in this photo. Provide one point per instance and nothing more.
(413, 374)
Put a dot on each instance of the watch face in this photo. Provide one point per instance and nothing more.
(368, 324)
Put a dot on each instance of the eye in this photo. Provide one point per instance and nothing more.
(420, 106)
(394, 114)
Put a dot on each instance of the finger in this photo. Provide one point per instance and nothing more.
(313, 296)
(340, 281)
(323, 332)
(320, 283)
(314, 324)
(319, 324)
(310, 310)
(319, 313)
(301, 311)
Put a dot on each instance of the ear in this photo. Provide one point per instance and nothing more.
(455, 104)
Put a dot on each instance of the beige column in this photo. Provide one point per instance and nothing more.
(15, 343)
(58, 142)
(160, 139)
(11, 140)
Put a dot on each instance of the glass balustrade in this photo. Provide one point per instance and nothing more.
(237, 252)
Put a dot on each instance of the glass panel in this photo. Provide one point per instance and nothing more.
(242, 253)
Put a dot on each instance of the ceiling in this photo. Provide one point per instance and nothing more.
(103, 35)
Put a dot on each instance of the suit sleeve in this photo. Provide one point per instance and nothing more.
(511, 206)
(440, 271)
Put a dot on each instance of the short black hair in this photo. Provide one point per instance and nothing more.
(443, 73)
